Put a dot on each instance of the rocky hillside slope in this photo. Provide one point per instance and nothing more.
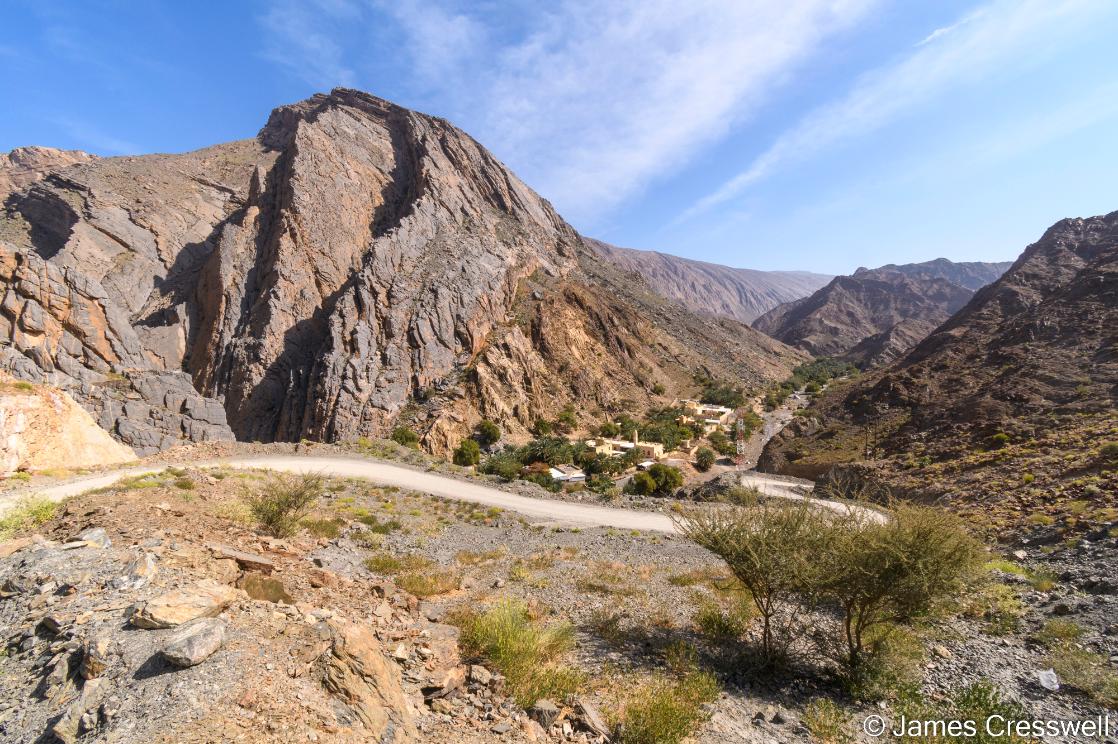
(743, 294)
(354, 265)
(876, 315)
(1004, 389)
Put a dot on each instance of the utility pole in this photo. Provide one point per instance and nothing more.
(739, 437)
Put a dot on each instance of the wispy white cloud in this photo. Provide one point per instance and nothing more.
(999, 34)
(601, 100)
(944, 30)
(440, 40)
(590, 102)
(298, 40)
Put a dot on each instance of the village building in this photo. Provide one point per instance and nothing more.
(619, 447)
(706, 416)
(567, 474)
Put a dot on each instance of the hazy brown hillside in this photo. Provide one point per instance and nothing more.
(973, 275)
(710, 288)
(1012, 397)
(354, 265)
(870, 318)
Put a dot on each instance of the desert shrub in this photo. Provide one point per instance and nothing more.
(328, 528)
(405, 436)
(884, 573)
(428, 583)
(666, 478)
(996, 604)
(722, 394)
(390, 564)
(487, 433)
(185, 484)
(545, 480)
(30, 511)
(1056, 632)
(642, 483)
(977, 702)
(999, 440)
(722, 444)
(665, 710)
(504, 465)
(826, 722)
(657, 389)
(566, 420)
(1087, 672)
(468, 453)
(1109, 452)
(723, 623)
(704, 459)
(892, 664)
(524, 649)
(772, 550)
(284, 500)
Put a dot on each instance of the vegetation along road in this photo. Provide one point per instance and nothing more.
(545, 510)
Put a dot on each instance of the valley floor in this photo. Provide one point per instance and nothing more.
(643, 605)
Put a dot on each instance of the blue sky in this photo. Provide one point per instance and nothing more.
(775, 134)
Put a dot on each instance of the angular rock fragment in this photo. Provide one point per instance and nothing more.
(195, 642)
(206, 598)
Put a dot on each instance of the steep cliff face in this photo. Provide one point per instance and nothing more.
(742, 294)
(354, 265)
(875, 316)
(370, 262)
(1030, 364)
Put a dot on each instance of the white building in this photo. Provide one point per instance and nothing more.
(567, 474)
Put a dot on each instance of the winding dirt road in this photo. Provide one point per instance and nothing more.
(543, 510)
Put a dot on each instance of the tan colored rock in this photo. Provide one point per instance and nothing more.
(207, 598)
(97, 654)
(69, 726)
(43, 428)
(195, 642)
(264, 588)
(9, 547)
(246, 560)
(358, 673)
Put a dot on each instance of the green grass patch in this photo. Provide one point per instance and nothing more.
(526, 650)
(391, 565)
(664, 710)
(429, 583)
(29, 512)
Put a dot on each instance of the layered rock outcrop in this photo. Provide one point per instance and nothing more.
(355, 265)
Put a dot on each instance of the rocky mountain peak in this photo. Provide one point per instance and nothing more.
(354, 266)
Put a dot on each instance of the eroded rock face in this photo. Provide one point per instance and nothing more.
(357, 672)
(356, 265)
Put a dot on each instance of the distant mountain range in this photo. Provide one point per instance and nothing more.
(742, 294)
(876, 315)
(1010, 400)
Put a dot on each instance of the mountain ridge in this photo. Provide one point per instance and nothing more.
(355, 265)
(874, 316)
(742, 294)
